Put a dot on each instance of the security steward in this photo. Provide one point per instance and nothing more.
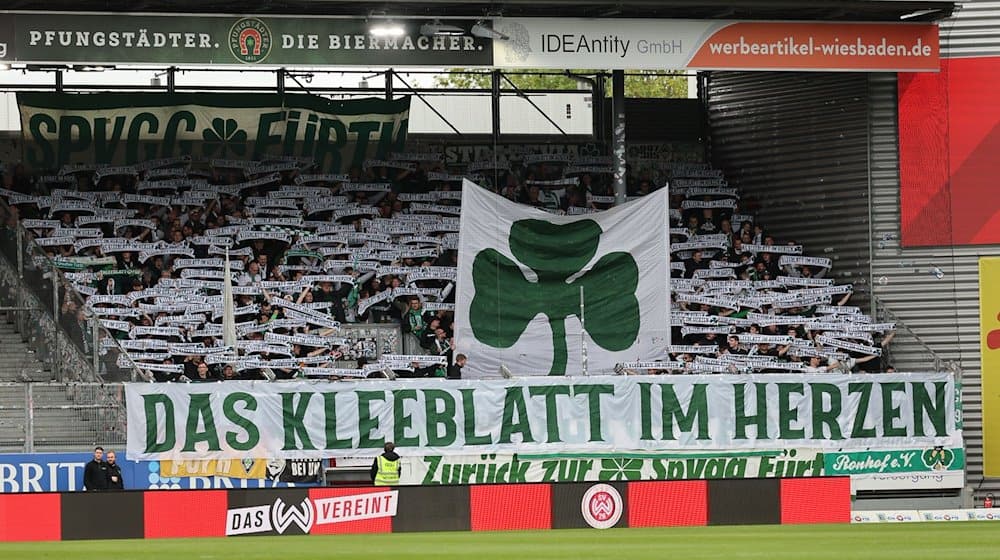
(115, 480)
(386, 468)
(95, 473)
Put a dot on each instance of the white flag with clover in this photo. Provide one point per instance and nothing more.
(526, 277)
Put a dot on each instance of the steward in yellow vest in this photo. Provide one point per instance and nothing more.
(385, 469)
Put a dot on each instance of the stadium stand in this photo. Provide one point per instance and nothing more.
(145, 246)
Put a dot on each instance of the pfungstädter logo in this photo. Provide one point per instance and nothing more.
(250, 40)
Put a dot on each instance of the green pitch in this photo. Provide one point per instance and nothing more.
(917, 541)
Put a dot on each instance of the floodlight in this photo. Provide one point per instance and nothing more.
(480, 30)
(436, 28)
(918, 13)
(386, 28)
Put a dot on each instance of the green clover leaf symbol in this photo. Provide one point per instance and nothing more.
(937, 458)
(506, 301)
(620, 469)
(224, 135)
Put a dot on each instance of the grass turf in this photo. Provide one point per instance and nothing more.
(916, 541)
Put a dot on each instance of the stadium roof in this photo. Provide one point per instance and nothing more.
(827, 10)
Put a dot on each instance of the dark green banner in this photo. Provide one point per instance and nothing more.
(126, 128)
(233, 39)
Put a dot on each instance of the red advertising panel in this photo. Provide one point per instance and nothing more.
(30, 517)
(505, 507)
(816, 500)
(811, 46)
(658, 504)
(386, 509)
(185, 513)
(949, 138)
(353, 510)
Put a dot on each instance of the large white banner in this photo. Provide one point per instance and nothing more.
(527, 276)
(606, 414)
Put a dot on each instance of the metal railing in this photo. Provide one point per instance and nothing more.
(882, 312)
(61, 416)
(52, 316)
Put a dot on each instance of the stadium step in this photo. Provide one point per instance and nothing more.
(18, 363)
(25, 374)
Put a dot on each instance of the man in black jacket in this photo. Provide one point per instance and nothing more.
(455, 370)
(95, 473)
(115, 480)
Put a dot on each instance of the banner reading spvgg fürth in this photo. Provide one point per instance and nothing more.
(610, 414)
(127, 128)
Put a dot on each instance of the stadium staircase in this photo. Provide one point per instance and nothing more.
(66, 417)
(17, 361)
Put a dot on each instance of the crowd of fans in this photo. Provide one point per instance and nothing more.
(146, 246)
(745, 302)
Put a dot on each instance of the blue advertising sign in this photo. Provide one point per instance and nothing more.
(49, 472)
(63, 472)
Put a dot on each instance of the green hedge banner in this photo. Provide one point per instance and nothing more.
(129, 128)
(612, 414)
(512, 469)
